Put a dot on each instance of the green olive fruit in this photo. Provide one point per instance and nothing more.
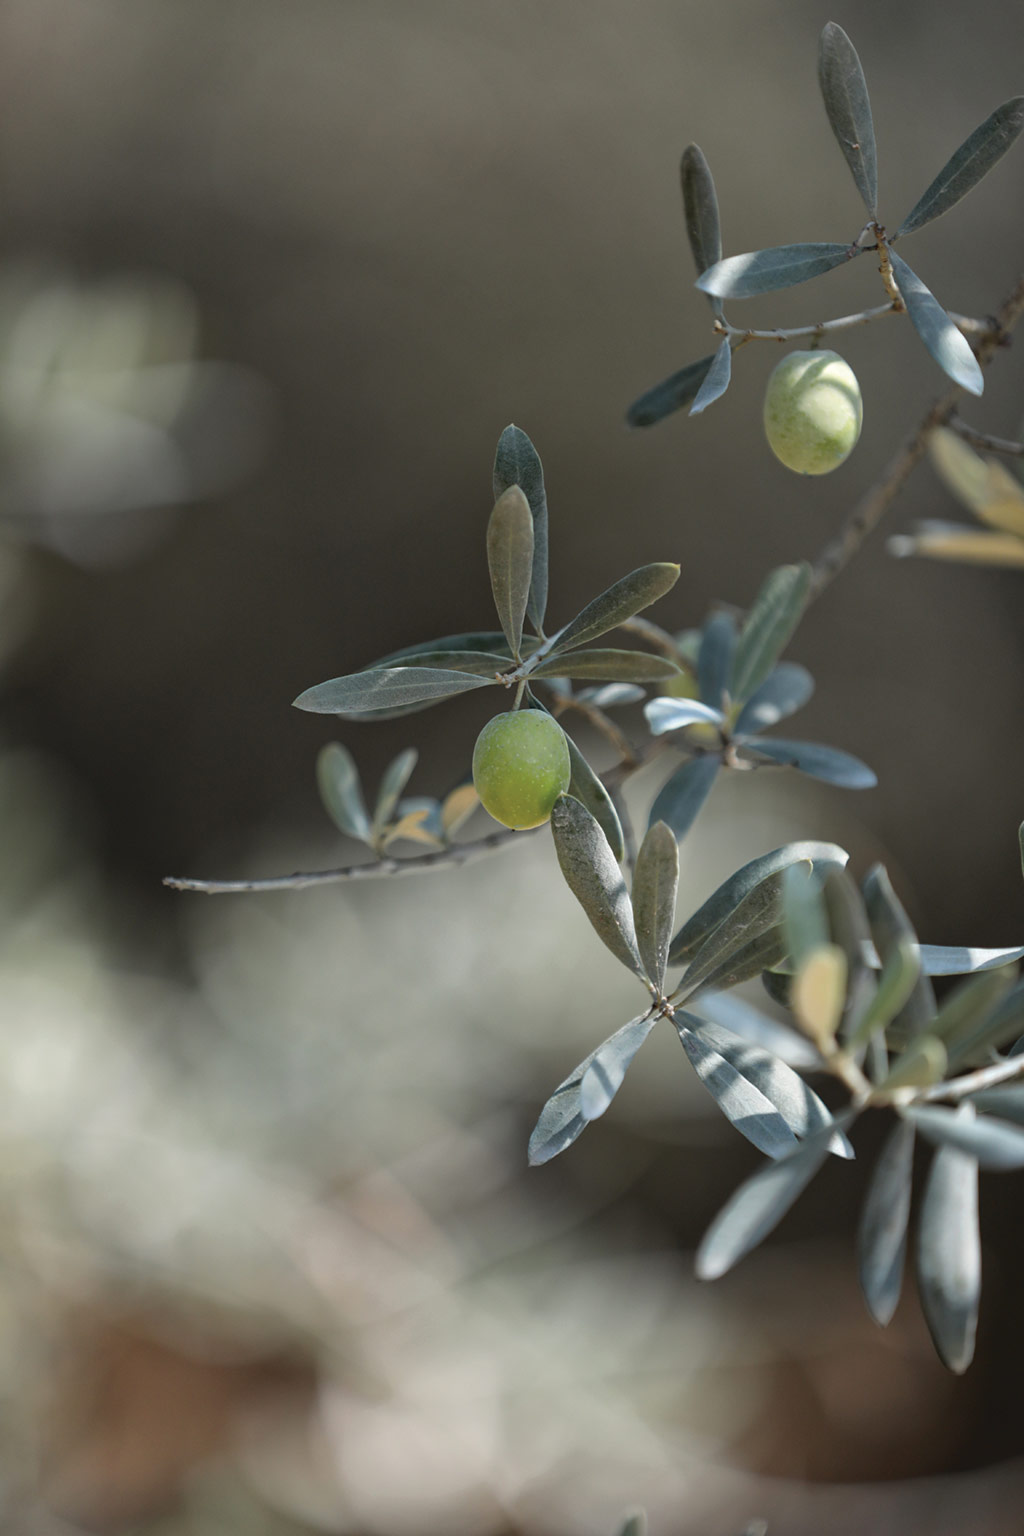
(812, 411)
(520, 767)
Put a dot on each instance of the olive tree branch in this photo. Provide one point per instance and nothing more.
(723, 327)
(869, 511)
(985, 440)
(974, 1082)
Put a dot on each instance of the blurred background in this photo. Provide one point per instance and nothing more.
(273, 277)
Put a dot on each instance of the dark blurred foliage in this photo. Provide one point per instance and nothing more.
(402, 225)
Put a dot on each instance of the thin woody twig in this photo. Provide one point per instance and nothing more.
(985, 440)
(974, 1082)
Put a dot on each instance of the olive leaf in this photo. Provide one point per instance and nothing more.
(563, 1119)
(679, 801)
(826, 763)
(949, 1253)
(586, 787)
(593, 875)
(768, 271)
(785, 690)
(700, 208)
(670, 395)
(967, 165)
(394, 780)
(623, 666)
(510, 562)
(769, 626)
(619, 602)
(655, 881)
(716, 381)
(386, 687)
(516, 462)
(338, 781)
(996, 1145)
(947, 345)
(882, 1234)
(714, 659)
(845, 94)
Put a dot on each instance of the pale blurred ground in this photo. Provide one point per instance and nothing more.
(273, 1262)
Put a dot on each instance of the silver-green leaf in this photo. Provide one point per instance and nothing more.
(965, 168)
(386, 687)
(826, 763)
(700, 208)
(882, 1235)
(783, 692)
(714, 659)
(337, 778)
(947, 345)
(768, 271)
(845, 94)
(516, 462)
(670, 395)
(562, 1118)
(655, 882)
(396, 777)
(586, 787)
(717, 379)
(949, 1254)
(769, 626)
(510, 562)
(679, 801)
(592, 873)
(619, 602)
(996, 1145)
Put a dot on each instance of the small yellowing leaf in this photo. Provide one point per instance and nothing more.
(818, 993)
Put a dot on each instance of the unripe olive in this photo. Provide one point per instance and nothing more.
(812, 411)
(520, 767)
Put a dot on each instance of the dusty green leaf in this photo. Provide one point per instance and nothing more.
(960, 960)
(337, 779)
(510, 561)
(1006, 1102)
(619, 602)
(592, 873)
(760, 910)
(621, 666)
(516, 462)
(817, 993)
(716, 380)
(921, 1065)
(396, 777)
(731, 892)
(776, 612)
(759, 1204)
(845, 94)
(457, 807)
(783, 692)
(949, 1253)
(586, 787)
(966, 167)
(700, 207)
(484, 643)
(562, 1118)
(896, 946)
(758, 954)
(670, 395)
(608, 1067)
(782, 266)
(882, 1235)
(742, 1104)
(996, 1145)
(667, 714)
(966, 1007)
(828, 764)
(998, 1029)
(749, 1023)
(714, 659)
(948, 346)
(385, 688)
(655, 881)
(679, 801)
(802, 912)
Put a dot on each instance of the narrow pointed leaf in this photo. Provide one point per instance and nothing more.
(802, 912)
(1005, 1102)
(670, 395)
(922, 1064)
(800, 1107)
(510, 561)
(760, 910)
(966, 167)
(783, 692)
(700, 207)
(479, 643)
(562, 1118)
(476, 663)
(984, 486)
(918, 1012)
(781, 266)
(338, 781)
(934, 540)
(845, 94)
(949, 1254)
(826, 763)
(882, 1236)
(769, 625)
(595, 879)
(998, 1030)
(385, 688)
(666, 714)
(620, 602)
(897, 947)
(516, 462)
(608, 1067)
(679, 801)
(967, 1005)
(946, 344)
(654, 898)
(731, 892)
(396, 777)
(749, 1023)
(996, 1145)
(818, 992)
(758, 1206)
(623, 666)
(612, 694)
(457, 807)
(716, 380)
(714, 659)
(758, 954)
(742, 1104)
(586, 787)
(957, 960)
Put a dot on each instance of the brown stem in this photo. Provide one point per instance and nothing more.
(985, 440)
